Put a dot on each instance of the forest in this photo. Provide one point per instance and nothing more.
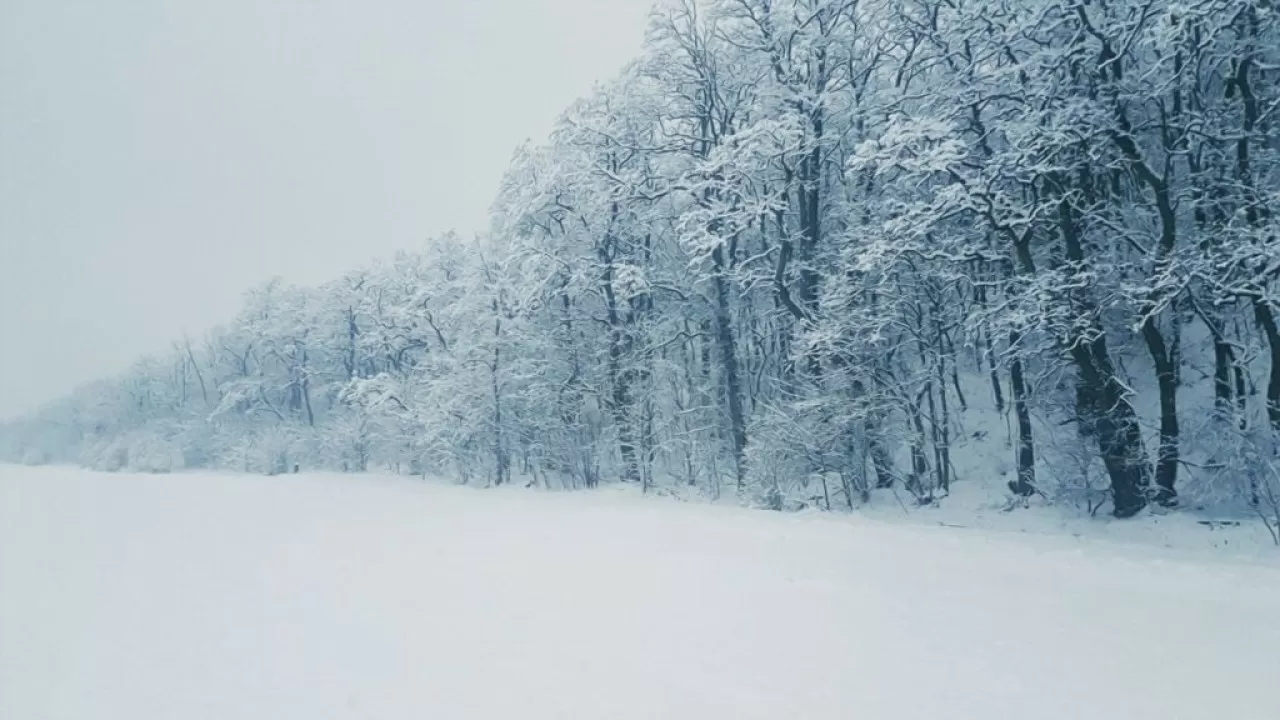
(800, 252)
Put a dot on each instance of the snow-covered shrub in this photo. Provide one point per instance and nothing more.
(108, 455)
(152, 454)
(1240, 475)
(806, 457)
(140, 451)
(199, 443)
(348, 442)
(1075, 476)
(268, 451)
(272, 451)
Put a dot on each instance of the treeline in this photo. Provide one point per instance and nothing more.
(804, 249)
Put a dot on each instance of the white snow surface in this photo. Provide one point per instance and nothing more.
(201, 596)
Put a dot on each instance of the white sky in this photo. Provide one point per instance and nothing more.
(159, 157)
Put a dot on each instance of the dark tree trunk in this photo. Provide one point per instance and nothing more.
(502, 463)
(1167, 381)
(1255, 211)
(996, 391)
(810, 220)
(879, 455)
(1025, 484)
(1108, 415)
(1222, 361)
(1267, 321)
(1162, 355)
(621, 344)
(919, 462)
(1112, 421)
(729, 358)
(881, 462)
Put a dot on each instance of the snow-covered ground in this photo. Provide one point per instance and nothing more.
(198, 596)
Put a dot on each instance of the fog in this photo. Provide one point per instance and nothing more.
(159, 157)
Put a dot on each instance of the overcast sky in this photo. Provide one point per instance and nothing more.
(159, 157)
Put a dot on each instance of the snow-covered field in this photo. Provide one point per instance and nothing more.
(198, 596)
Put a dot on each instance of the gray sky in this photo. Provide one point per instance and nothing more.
(159, 157)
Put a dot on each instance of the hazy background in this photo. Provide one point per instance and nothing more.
(159, 157)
